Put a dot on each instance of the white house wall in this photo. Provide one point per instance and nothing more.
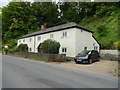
(65, 42)
(84, 39)
(27, 41)
(74, 42)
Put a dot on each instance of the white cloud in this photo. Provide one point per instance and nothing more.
(5, 2)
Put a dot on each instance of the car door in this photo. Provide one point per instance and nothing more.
(93, 55)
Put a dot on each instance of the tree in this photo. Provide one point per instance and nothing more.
(101, 29)
(50, 46)
(45, 12)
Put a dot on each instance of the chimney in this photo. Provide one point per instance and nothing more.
(43, 26)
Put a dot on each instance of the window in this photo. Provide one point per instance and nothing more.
(64, 34)
(64, 50)
(85, 48)
(39, 38)
(19, 41)
(95, 48)
(51, 36)
(30, 49)
(23, 40)
(30, 39)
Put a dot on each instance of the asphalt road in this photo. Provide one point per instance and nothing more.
(23, 73)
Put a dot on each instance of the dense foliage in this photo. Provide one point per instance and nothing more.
(22, 48)
(20, 18)
(50, 46)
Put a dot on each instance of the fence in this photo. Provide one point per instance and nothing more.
(46, 57)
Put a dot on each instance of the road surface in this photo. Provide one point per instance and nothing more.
(23, 73)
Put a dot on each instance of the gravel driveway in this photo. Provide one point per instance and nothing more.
(102, 66)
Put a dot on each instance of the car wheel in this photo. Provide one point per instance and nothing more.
(90, 61)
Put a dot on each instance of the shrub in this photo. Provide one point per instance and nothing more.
(117, 45)
(21, 48)
(50, 46)
(6, 50)
(0, 47)
(13, 42)
(9, 45)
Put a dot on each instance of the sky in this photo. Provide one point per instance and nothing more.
(5, 2)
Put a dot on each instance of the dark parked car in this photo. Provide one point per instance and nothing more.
(87, 56)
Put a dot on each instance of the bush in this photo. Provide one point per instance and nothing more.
(0, 47)
(21, 48)
(14, 49)
(12, 42)
(9, 45)
(50, 46)
(6, 50)
(117, 45)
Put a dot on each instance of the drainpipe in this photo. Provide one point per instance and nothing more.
(34, 43)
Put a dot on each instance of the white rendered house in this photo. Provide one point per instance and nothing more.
(72, 37)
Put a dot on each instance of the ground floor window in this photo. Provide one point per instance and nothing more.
(85, 48)
(30, 49)
(64, 50)
(95, 48)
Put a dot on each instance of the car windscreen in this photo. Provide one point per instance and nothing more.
(84, 53)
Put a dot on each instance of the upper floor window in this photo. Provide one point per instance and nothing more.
(51, 36)
(39, 38)
(23, 40)
(30, 39)
(64, 34)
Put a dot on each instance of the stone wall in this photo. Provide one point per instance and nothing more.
(46, 57)
(109, 54)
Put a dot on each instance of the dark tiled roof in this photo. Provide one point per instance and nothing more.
(57, 28)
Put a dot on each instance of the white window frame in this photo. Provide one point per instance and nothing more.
(64, 34)
(96, 48)
(19, 41)
(30, 39)
(85, 48)
(30, 49)
(39, 38)
(64, 50)
(51, 36)
(23, 40)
